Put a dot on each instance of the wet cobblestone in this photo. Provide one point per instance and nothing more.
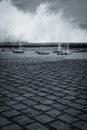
(43, 96)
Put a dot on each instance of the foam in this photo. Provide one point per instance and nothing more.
(40, 26)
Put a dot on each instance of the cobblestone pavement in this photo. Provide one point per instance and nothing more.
(43, 96)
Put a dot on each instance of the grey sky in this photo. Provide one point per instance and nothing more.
(75, 8)
(72, 8)
(23, 23)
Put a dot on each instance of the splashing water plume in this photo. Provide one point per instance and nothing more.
(41, 26)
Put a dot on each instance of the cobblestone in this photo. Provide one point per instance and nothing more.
(12, 127)
(36, 126)
(67, 118)
(60, 125)
(30, 112)
(11, 113)
(4, 121)
(81, 125)
(44, 119)
(42, 107)
(43, 95)
(72, 111)
(54, 113)
(23, 120)
(83, 116)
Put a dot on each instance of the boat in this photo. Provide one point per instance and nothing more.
(61, 51)
(20, 50)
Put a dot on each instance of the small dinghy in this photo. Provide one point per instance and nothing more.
(20, 50)
(42, 52)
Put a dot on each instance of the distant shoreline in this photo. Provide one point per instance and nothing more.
(43, 44)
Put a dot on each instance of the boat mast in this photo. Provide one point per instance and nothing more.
(67, 48)
(59, 48)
